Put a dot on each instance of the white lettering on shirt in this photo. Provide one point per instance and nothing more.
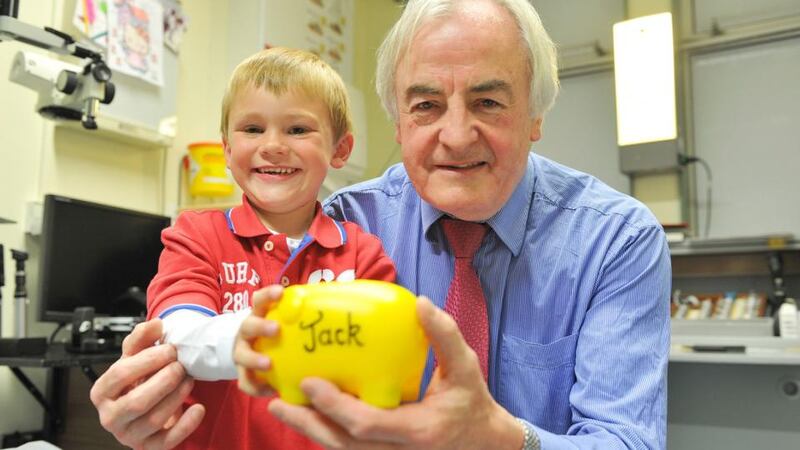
(327, 275)
(241, 272)
(235, 301)
(228, 270)
(235, 295)
(254, 278)
(320, 276)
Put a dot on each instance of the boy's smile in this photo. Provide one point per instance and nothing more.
(277, 171)
(279, 148)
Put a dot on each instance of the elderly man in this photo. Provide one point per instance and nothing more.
(557, 285)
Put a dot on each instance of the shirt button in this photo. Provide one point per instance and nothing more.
(284, 281)
(268, 246)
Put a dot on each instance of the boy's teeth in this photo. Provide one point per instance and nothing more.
(277, 171)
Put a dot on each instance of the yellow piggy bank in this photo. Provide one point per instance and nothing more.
(362, 335)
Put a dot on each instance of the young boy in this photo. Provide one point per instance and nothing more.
(285, 119)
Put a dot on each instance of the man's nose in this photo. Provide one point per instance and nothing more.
(458, 128)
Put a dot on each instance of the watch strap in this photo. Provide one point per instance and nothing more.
(531, 438)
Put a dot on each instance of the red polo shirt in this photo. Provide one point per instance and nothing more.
(212, 262)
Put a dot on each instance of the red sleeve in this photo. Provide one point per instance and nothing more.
(187, 273)
(371, 261)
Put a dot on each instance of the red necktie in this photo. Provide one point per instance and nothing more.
(465, 300)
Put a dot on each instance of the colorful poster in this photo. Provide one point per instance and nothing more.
(175, 25)
(90, 18)
(136, 39)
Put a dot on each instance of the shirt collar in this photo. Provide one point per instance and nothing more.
(244, 222)
(509, 222)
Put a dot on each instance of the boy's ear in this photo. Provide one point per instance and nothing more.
(342, 151)
(226, 149)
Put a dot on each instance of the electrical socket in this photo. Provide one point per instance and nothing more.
(34, 215)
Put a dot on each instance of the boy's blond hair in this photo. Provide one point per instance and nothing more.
(279, 70)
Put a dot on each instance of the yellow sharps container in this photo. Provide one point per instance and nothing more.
(208, 175)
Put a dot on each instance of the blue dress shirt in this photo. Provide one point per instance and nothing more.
(577, 280)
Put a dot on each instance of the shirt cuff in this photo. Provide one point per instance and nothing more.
(551, 441)
(229, 329)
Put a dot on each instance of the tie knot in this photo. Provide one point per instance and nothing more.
(464, 237)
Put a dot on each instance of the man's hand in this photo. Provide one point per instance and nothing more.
(252, 327)
(456, 412)
(139, 397)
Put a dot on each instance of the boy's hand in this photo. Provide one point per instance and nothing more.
(252, 327)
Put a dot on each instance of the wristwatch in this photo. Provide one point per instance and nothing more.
(530, 440)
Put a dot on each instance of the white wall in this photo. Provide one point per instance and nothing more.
(20, 160)
(747, 108)
(580, 130)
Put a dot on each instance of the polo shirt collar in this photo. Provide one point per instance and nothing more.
(244, 222)
(508, 223)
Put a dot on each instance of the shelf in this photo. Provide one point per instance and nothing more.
(731, 342)
(122, 131)
(758, 244)
(733, 262)
(748, 357)
(759, 328)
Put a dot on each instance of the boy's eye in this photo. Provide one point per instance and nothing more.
(252, 129)
(298, 130)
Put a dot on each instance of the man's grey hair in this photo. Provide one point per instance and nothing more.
(541, 50)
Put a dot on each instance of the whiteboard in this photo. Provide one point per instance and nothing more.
(580, 130)
(136, 101)
(746, 107)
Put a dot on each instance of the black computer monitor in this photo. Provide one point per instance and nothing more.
(95, 255)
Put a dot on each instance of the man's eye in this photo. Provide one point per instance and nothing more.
(488, 103)
(423, 106)
(298, 130)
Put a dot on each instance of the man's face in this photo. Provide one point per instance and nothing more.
(464, 119)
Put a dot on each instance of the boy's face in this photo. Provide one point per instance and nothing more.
(278, 149)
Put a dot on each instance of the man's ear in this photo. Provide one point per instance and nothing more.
(536, 129)
(397, 132)
(342, 151)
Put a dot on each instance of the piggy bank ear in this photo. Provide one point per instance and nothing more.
(291, 305)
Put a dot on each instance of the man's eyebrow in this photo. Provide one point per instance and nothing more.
(421, 89)
(492, 86)
(483, 87)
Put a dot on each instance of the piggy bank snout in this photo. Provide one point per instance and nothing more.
(290, 307)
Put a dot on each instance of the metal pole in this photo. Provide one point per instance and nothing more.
(2, 283)
(20, 294)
